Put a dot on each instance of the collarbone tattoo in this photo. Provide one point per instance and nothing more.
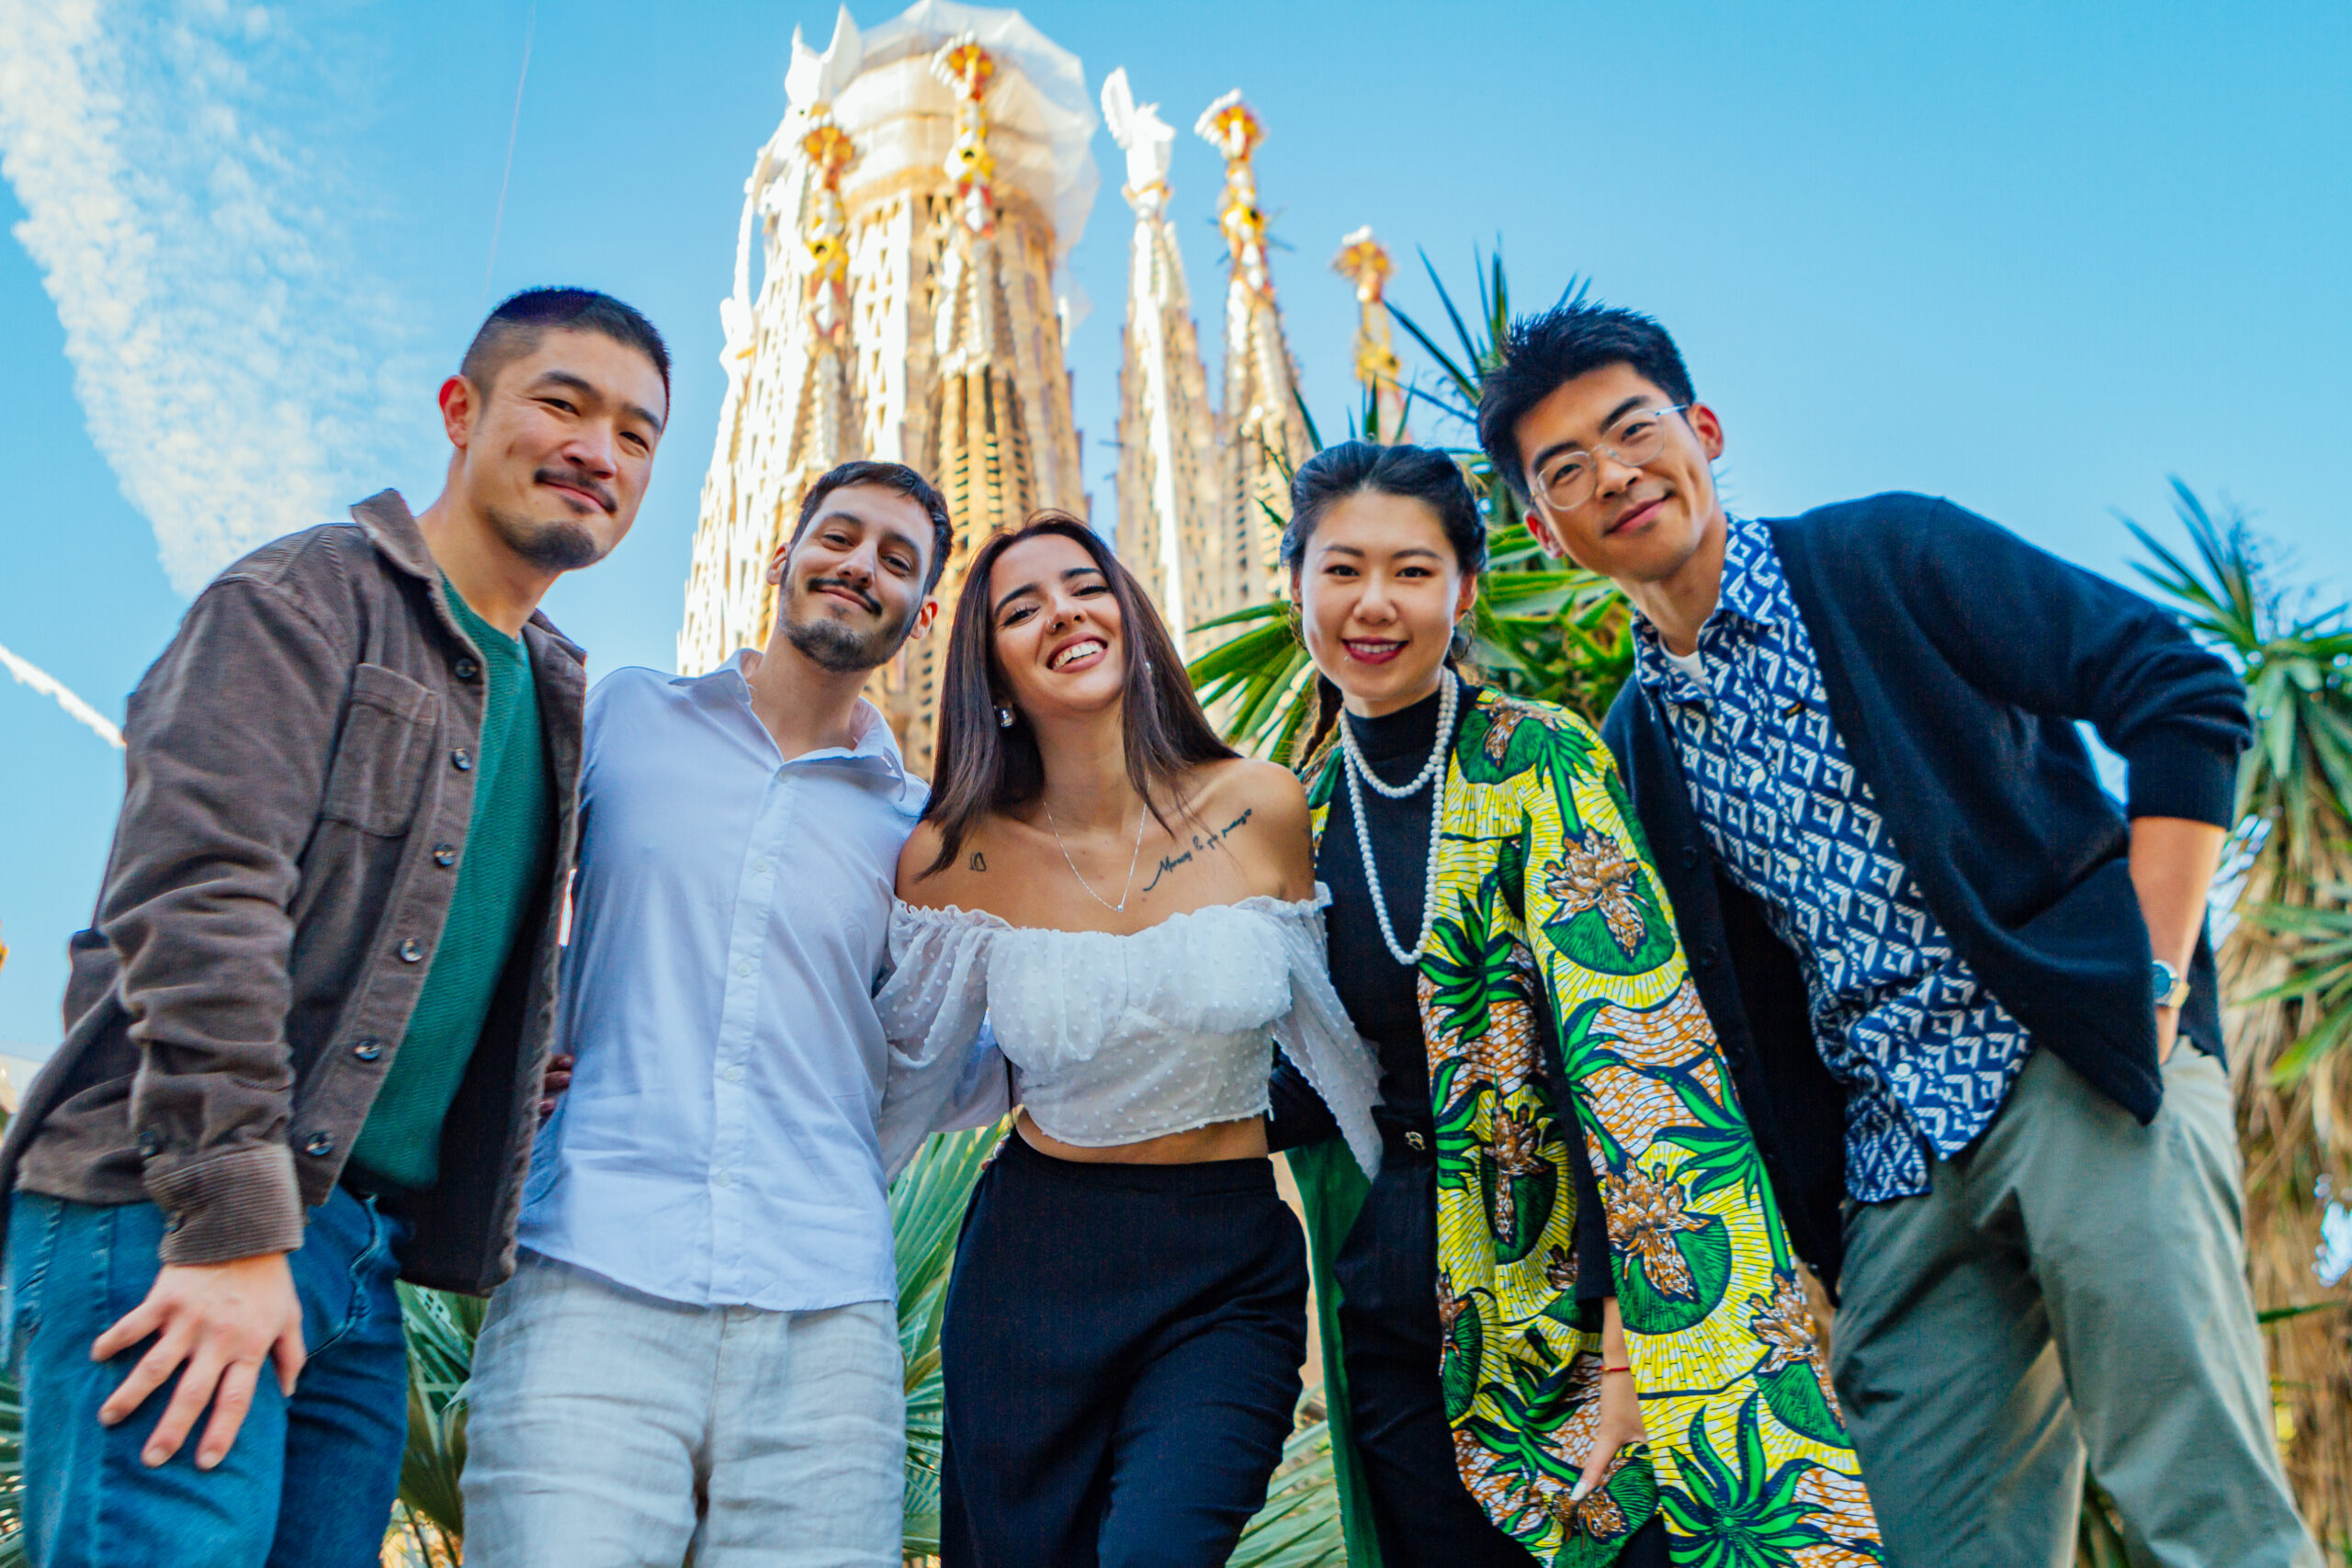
(1202, 844)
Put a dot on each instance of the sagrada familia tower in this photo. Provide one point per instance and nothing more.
(912, 216)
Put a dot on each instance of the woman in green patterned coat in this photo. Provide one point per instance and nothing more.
(1563, 1322)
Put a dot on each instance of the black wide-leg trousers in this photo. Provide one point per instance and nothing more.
(1121, 1356)
(1386, 1272)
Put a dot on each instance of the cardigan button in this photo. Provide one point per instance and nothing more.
(318, 1144)
(1690, 856)
(462, 760)
(465, 669)
(1706, 955)
(367, 1050)
(445, 854)
(150, 1144)
(412, 950)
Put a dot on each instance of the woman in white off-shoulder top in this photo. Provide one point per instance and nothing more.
(1132, 907)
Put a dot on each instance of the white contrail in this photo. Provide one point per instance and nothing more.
(48, 685)
(232, 353)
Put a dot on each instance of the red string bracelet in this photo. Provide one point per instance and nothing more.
(1606, 1369)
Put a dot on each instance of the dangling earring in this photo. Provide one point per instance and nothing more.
(1003, 717)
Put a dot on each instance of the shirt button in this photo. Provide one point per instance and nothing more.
(722, 1179)
(743, 970)
(760, 865)
(412, 950)
(462, 760)
(1705, 956)
(465, 669)
(445, 854)
(319, 1144)
(733, 1075)
(1690, 856)
(150, 1144)
(367, 1050)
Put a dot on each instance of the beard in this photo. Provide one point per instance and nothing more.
(843, 649)
(558, 544)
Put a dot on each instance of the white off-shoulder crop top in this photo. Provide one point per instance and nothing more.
(1113, 1039)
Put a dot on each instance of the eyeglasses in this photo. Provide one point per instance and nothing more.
(1568, 478)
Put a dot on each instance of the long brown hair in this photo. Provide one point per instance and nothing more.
(984, 767)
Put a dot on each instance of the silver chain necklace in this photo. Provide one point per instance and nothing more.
(1133, 861)
(1358, 774)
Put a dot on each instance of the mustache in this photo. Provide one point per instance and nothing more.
(579, 480)
(818, 584)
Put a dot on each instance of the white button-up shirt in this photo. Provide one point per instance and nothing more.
(730, 923)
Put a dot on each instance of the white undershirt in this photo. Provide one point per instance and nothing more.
(1693, 664)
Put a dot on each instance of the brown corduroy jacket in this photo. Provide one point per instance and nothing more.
(300, 779)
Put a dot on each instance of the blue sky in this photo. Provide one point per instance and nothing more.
(2036, 257)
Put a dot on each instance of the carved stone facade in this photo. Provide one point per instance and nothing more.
(897, 297)
(911, 214)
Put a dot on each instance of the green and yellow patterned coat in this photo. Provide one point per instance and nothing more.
(1552, 925)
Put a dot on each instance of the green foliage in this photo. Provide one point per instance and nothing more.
(927, 1205)
(2320, 939)
(440, 1329)
(1299, 1526)
(2298, 777)
(2295, 783)
(12, 1476)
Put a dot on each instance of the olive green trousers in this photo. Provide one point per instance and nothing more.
(2073, 1287)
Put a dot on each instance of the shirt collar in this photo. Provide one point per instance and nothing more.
(871, 743)
(1748, 593)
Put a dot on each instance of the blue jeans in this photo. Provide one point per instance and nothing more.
(310, 1480)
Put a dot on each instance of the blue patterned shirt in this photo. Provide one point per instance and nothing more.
(1926, 1052)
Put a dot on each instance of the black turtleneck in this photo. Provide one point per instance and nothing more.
(1382, 994)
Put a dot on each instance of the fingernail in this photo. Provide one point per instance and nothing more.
(205, 1462)
(152, 1458)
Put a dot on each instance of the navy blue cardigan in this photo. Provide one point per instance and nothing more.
(1957, 659)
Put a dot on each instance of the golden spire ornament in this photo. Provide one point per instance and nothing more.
(964, 65)
(1261, 435)
(1364, 261)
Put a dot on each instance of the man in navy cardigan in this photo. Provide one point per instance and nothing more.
(1970, 1005)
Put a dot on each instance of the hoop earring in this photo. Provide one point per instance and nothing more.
(1003, 717)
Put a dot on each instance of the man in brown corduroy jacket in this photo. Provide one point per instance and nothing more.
(306, 1033)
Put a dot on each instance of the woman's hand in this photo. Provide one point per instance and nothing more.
(1620, 1404)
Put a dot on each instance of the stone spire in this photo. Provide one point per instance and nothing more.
(1261, 434)
(1168, 518)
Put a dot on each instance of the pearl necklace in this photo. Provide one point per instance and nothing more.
(1359, 773)
(1126, 889)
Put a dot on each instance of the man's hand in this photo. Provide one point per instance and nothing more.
(551, 1087)
(221, 1321)
(1621, 1405)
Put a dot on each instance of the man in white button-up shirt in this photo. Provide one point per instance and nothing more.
(704, 1301)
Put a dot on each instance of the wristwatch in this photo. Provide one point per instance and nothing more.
(2172, 986)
